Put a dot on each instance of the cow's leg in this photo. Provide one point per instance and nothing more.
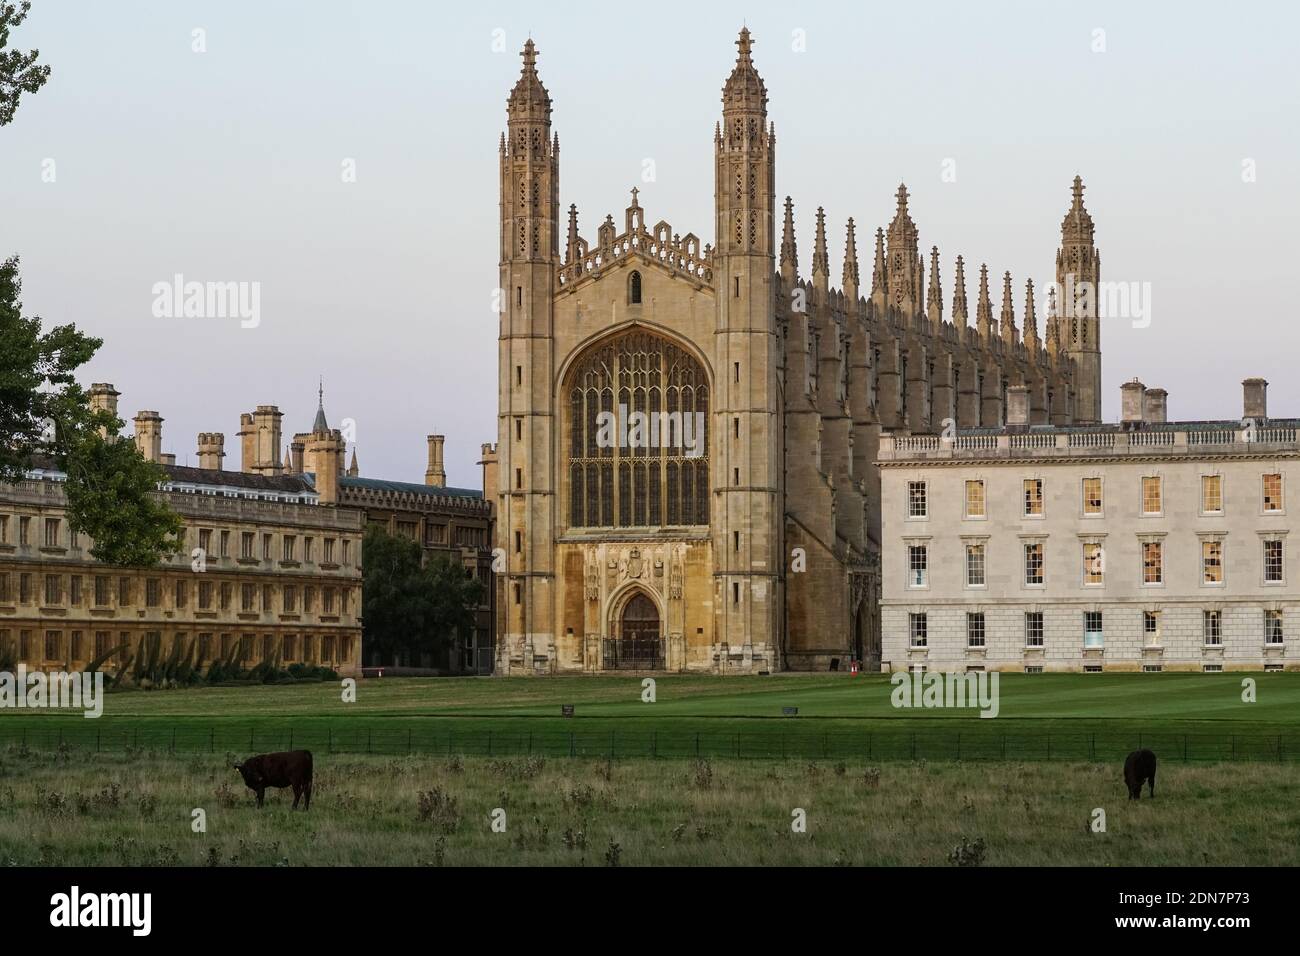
(297, 795)
(1153, 784)
(261, 793)
(306, 803)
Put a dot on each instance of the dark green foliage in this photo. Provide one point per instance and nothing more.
(19, 72)
(409, 606)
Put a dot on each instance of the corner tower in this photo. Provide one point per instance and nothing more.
(1078, 277)
(747, 498)
(530, 178)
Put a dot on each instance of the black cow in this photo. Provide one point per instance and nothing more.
(1140, 767)
(289, 769)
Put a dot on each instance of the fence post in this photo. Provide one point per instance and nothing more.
(449, 732)
(571, 749)
(913, 746)
(370, 738)
(868, 746)
(408, 741)
(250, 738)
(1279, 748)
(654, 743)
(489, 743)
(611, 745)
(1184, 748)
(212, 740)
(1049, 746)
(1234, 746)
(959, 746)
(330, 731)
(174, 740)
(290, 738)
(1004, 746)
(96, 740)
(697, 743)
(825, 745)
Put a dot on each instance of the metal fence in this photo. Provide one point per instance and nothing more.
(446, 740)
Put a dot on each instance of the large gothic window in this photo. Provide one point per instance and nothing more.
(638, 454)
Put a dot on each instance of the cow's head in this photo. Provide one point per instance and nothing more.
(252, 775)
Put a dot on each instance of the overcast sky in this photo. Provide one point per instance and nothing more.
(228, 165)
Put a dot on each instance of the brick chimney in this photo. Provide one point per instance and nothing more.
(1157, 406)
(212, 448)
(1018, 406)
(1254, 399)
(148, 435)
(435, 475)
(1132, 403)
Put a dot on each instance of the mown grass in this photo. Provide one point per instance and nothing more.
(136, 809)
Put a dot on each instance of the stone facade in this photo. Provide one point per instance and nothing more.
(1161, 545)
(280, 575)
(761, 551)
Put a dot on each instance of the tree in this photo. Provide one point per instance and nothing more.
(408, 606)
(111, 489)
(19, 73)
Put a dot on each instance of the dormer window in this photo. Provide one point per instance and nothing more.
(634, 289)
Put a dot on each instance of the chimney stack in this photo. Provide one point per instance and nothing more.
(247, 444)
(148, 435)
(435, 476)
(168, 459)
(1018, 406)
(1254, 399)
(103, 398)
(266, 440)
(1157, 410)
(1132, 403)
(212, 448)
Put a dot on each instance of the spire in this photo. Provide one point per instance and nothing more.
(850, 276)
(878, 271)
(960, 315)
(571, 248)
(1053, 324)
(934, 295)
(1031, 320)
(744, 89)
(820, 262)
(320, 426)
(984, 308)
(353, 470)
(288, 460)
(1008, 324)
(789, 250)
(529, 99)
(1077, 226)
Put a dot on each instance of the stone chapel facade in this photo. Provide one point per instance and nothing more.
(750, 541)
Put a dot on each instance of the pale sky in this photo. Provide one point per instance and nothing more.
(226, 165)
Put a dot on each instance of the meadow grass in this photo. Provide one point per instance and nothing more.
(136, 809)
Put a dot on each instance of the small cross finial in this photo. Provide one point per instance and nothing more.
(634, 195)
(529, 54)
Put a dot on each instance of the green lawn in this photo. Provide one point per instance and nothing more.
(1196, 716)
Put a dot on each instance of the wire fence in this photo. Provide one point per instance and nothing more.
(769, 744)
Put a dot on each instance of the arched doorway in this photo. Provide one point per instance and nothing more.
(637, 643)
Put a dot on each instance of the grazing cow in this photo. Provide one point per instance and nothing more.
(1140, 767)
(289, 769)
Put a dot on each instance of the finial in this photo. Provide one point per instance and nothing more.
(820, 264)
(789, 249)
(530, 55)
(902, 197)
(634, 192)
(850, 277)
(745, 44)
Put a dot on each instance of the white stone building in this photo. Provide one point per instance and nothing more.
(1142, 546)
